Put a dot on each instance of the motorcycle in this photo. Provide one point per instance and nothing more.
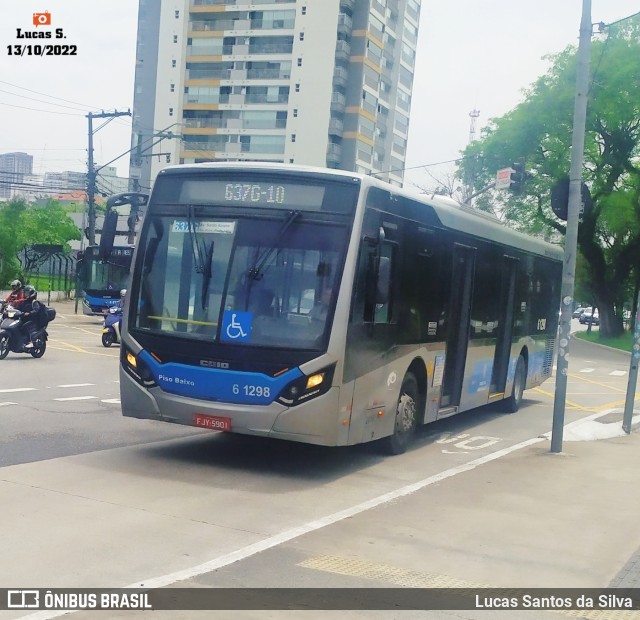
(111, 326)
(14, 338)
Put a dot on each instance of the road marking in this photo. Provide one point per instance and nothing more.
(79, 350)
(68, 385)
(6, 404)
(76, 398)
(19, 390)
(111, 401)
(618, 373)
(588, 370)
(608, 386)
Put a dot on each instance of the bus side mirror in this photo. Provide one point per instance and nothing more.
(108, 235)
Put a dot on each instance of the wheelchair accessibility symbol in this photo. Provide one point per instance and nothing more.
(236, 326)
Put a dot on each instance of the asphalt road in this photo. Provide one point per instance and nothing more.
(68, 401)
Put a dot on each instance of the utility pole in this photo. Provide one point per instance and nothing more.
(92, 172)
(571, 239)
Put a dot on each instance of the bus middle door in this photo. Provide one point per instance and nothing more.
(458, 319)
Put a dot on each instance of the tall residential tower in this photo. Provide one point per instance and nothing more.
(315, 82)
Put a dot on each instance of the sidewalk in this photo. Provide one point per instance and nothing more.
(530, 519)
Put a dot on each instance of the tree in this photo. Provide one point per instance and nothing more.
(538, 133)
(22, 224)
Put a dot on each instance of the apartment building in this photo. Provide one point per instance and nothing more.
(315, 82)
(15, 169)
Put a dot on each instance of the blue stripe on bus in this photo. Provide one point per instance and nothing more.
(101, 301)
(229, 386)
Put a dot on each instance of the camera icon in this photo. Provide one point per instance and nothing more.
(42, 19)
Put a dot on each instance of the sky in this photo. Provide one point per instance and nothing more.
(472, 55)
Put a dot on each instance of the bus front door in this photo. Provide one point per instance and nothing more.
(459, 317)
(505, 323)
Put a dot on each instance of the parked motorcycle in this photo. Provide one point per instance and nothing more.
(14, 338)
(111, 326)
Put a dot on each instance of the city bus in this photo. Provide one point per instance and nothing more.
(100, 282)
(432, 308)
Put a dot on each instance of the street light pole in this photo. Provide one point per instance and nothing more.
(571, 239)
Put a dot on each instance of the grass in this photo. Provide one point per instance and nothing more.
(624, 342)
(43, 284)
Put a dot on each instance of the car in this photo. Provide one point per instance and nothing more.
(578, 311)
(590, 316)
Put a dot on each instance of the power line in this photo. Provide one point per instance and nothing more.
(39, 110)
(61, 105)
(83, 105)
(622, 20)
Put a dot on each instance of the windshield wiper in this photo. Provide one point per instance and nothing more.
(202, 255)
(255, 272)
(197, 251)
(207, 273)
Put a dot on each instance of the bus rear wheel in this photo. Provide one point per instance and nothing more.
(406, 418)
(512, 404)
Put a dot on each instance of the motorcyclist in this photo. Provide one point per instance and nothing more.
(120, 304)
(16, 295)
(31, 310)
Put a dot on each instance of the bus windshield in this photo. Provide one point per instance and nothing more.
(248, 281)
(99, 278)
(111, 276)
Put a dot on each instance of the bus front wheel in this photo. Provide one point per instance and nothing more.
(512, 404)
(406, 417)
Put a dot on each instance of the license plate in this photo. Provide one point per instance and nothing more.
(215, 423)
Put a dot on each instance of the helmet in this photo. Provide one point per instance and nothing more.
(30, 292)
(15, 285)
(123, 293)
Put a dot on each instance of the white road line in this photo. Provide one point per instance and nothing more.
(588, 370)
(19, 390)
(618, 373)
(76, 398)
(6, 404)
(113, 401)
(68, 385)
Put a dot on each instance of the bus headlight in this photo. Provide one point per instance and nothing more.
(136, 368)
(307, 387)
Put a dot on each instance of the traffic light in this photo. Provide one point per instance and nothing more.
(517, 178)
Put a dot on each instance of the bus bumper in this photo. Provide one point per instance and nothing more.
(309, 422)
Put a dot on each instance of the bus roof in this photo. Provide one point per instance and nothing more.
(451, 214)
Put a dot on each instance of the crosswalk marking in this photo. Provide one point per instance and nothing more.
(618, 373)
(28, 389)
(6, 404)
(76, 398)
(112, 401)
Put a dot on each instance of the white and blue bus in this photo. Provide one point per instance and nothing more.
(102, 280)
(429, 308)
